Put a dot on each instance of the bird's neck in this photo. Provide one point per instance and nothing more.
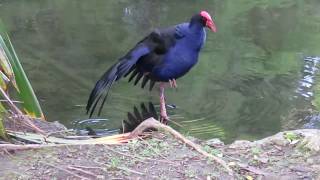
(195, 27)
(197, 34)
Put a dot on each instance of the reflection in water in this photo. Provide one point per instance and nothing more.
(134, 118)
(310, 69)
(244, 82)
(313, 122)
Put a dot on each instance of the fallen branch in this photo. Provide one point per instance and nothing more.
(152, 123)
(18, 147)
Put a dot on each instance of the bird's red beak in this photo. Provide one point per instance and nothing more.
(209, 22)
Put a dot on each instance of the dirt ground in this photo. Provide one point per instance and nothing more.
(286, 155)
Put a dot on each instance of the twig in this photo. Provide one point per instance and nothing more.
(56, 132)
(149, 145)
(130, 170)
(15, 147)
(61, 169)
(152, 123)
(139, 158)
(17, 111)
(252, 169)
(123, 154)
(83, 171)
(88, 167)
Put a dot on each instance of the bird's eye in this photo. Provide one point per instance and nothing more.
(204, 20)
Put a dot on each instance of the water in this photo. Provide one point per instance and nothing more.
(246, 80)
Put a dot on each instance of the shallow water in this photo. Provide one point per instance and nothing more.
(247, 79)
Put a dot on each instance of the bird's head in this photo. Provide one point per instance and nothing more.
(207, 21)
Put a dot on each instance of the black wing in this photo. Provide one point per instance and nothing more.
(117, 71)
(165, 39)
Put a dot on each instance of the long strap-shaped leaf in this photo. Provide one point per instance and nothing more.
(26, 94)
(3, 134)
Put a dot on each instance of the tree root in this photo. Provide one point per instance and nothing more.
(152, 123)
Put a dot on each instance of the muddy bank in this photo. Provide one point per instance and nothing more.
(286, 155)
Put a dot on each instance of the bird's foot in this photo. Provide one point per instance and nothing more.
(164, 118)
(173, 83)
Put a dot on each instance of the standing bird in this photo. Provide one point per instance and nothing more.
(163, 56)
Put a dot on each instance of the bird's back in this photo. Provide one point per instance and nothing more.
(181, 56)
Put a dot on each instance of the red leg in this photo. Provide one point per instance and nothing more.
(163, 112)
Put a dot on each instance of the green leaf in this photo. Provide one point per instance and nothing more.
(25, 92)
(6, 72)
(3, 134)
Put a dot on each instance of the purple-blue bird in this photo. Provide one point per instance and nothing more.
(161, 57)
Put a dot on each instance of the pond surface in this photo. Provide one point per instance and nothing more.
(247, 79)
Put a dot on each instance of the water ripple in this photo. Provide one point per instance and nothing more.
(307, 81)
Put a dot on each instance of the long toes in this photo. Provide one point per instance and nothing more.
(175, 83)
(164, 119)
(171, 83)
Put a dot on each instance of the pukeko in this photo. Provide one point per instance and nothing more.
(163, 56)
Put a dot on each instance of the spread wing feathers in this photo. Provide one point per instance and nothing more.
(117, 71)
(138, 75)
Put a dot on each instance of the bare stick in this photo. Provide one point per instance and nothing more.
(123, 154)
(152, 123)
(130, 170)
(87, 167)
(61, 169)
(83, 171)
(56, 132)
(159, 154)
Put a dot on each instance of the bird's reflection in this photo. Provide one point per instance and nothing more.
(136, 117)
(133, 118)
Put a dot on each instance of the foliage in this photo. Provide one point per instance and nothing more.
(2, 128)
(13, 72)
(290, 136)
